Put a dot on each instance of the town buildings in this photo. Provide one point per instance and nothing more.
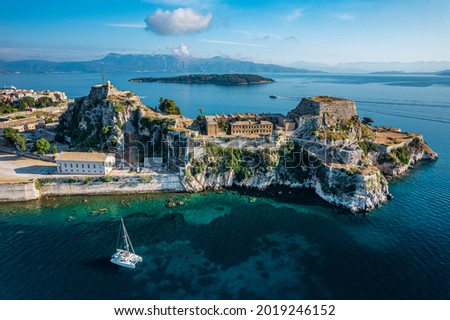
(11, 95)
(23, 125)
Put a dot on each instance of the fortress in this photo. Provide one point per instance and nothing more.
(324, 106)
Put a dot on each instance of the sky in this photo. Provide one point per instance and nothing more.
(281, 32)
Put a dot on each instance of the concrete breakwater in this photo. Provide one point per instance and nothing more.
(20, 191)
(15, 192)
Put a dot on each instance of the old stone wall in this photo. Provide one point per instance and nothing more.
(160, 183)
(336, 108)
(15, 192)
(342, 109)
(11, 192)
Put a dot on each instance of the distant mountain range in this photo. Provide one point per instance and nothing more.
(146, 63)
(114, 62)
(378, 67)
(443, 73)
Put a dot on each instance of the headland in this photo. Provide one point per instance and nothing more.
(321, 144)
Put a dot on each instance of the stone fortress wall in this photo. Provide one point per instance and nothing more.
(337, 108)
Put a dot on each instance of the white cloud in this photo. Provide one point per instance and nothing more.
(127, 25)
(177, 22)
(346, 17)
(181, 51)
(232, 43)
(297, 13)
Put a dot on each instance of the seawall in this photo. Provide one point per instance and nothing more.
(15, 192)
(20, 191)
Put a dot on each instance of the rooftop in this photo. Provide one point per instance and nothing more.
(326, 99)
(247, 122)
(19, 122)
(82, 156)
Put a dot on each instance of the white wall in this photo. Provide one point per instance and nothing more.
(85, 167)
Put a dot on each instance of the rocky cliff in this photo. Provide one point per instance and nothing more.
(332, 152)
(350, 187)
(117, 121)
(101, 118)
(346, 162)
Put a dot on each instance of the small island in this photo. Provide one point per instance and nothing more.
(218, 79)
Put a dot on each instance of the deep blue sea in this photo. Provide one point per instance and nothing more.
(222, 245)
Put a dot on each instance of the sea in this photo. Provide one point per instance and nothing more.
(243, 244)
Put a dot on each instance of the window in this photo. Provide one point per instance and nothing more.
(65, 165)
(88, 165)
(82, 165)
(76, 165)
(71, 165)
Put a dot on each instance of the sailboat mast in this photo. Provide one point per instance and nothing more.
(125, 236)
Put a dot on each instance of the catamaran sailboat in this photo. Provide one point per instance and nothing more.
(125, 255)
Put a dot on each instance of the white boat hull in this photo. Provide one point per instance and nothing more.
(125, 259)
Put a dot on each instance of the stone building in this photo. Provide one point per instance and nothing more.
(247, 123)
(22, 125)
(325, 107)
(212, 127)
(280, 122)
(85, 162)
(251, 127)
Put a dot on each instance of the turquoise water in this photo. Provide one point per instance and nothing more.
(222, 245)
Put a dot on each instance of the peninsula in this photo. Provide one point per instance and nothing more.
(234, 79)
(115, 144)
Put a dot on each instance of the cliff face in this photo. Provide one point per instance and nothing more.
(397, 161)
(294, 166)
(109, 117)
(345, 161)
(101, 118)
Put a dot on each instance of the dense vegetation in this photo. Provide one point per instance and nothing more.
(219, 79)
(402, 154)
(13, 136)
(26, 103)
(368, 146)
(168, 106)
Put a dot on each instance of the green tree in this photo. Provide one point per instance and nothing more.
(27, 102)
(9, 133)
(7, 108)
(54, 149)
(44, 102)
(42, 145)
(13, 136)
(168, 106)
(20, 141)
(367, 121)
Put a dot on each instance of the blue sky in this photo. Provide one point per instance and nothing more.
(264, 31)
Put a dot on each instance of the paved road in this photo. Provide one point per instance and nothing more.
(15, 169)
